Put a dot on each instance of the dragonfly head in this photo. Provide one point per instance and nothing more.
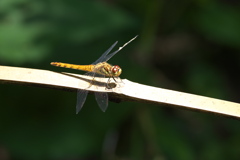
(116, 71)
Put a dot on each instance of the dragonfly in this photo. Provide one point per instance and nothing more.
(99, 68)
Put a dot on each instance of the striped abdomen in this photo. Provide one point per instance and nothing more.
(88, 68)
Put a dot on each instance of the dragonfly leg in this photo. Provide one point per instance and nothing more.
(118, 82)
(107, 85)
(114, 79)
(121, 80)
(111, 85)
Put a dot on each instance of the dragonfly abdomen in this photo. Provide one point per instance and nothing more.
(88, 68)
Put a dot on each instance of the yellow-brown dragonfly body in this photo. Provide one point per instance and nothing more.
(98, 68)
(102, 68)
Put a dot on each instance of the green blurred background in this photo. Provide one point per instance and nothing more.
(189, 46)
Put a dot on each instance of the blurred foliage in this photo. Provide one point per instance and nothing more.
(191, 46)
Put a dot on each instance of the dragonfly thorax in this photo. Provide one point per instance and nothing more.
(107, 70)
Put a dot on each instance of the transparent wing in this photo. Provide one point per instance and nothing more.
(81, 98)
(82, 94)
(102, 100)
(111, 55)
(103, 56)
(101, 97)
(120, 48)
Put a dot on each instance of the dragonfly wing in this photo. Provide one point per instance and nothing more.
(111, 55)
(102, 100)
(82, 94)
(101, 97)
(81, 98)
(103, 56)
(120, 48)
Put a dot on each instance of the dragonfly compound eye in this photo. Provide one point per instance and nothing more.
(116, 70)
